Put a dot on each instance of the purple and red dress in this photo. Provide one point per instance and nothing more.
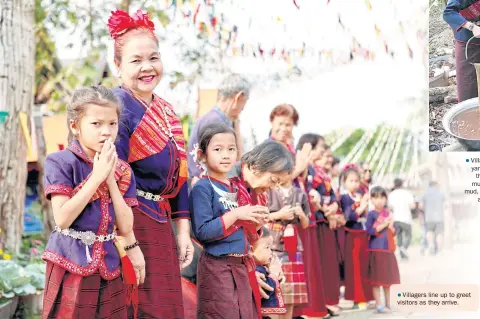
(357, 288)
(327, 243)
(83, 279)
(382, 263)
(158, 160)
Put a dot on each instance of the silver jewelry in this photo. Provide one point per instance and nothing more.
(88, 238)
(228, 200)
(167, 130)
(149, 196)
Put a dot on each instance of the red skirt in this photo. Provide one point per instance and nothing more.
(340, 241)
(70, 296)
(330, 267)
(223, 289)
(356, 267)
(313, 273)
(161, 294)
(383, 269)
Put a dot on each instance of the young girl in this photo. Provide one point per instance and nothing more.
(382, 264)
(354, 206)
(271, 268)
(289, 209)
(326, 219)
(91, 192)
(226, 279)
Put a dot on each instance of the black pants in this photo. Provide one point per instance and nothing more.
(403, 229)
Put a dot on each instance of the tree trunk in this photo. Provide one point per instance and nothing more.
(16, 95)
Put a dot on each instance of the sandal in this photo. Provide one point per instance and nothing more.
(383, 309)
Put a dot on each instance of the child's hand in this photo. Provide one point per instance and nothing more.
(251, 213)
(275, 268)
(298, 211)
(103, 162)
(111, 177)
(314, 197)
(332, 222)
(286, 213)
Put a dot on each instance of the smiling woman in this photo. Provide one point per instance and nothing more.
(151, 140)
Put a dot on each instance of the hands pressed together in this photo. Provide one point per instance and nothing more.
(105, 162)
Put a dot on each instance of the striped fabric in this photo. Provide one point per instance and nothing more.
(73, 296)
(294, 289)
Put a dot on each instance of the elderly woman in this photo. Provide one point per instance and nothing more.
(151, 140)
(284, 118)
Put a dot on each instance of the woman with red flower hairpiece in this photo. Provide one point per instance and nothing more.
(151, 141)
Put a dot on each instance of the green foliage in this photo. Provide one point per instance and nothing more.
(347, 146)
(20, 281)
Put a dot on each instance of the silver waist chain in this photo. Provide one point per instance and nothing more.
(88, 238)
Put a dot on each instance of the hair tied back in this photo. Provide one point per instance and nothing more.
(120, 22)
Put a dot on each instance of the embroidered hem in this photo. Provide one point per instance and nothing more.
(132, 202)
(83, 270)
(58, 189)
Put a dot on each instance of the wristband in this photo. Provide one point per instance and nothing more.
(135, 244)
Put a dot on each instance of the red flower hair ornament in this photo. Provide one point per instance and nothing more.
(120, 22)
(348, 166)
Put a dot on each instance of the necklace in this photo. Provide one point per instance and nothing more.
(227, 199)
(167, 130)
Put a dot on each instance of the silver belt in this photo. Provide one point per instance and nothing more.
(150, 196)
(86, 237)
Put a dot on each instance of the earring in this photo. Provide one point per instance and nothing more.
(203, 166)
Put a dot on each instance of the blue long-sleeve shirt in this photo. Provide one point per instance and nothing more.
(207, 220)
(348, 207)
(452, 16)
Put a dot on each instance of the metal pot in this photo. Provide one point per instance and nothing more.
(470, 145)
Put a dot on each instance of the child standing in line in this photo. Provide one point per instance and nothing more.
(289, 209)
(226, 282)
(382, 263)
(354, 206)
(271, 267)
(91, 191)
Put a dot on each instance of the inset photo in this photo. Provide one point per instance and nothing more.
(454, 65)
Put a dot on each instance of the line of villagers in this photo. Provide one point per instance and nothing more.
(275, 234)
(310, 233)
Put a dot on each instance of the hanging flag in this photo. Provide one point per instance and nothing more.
(196, 13)
(369, 5)
(410, 52)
